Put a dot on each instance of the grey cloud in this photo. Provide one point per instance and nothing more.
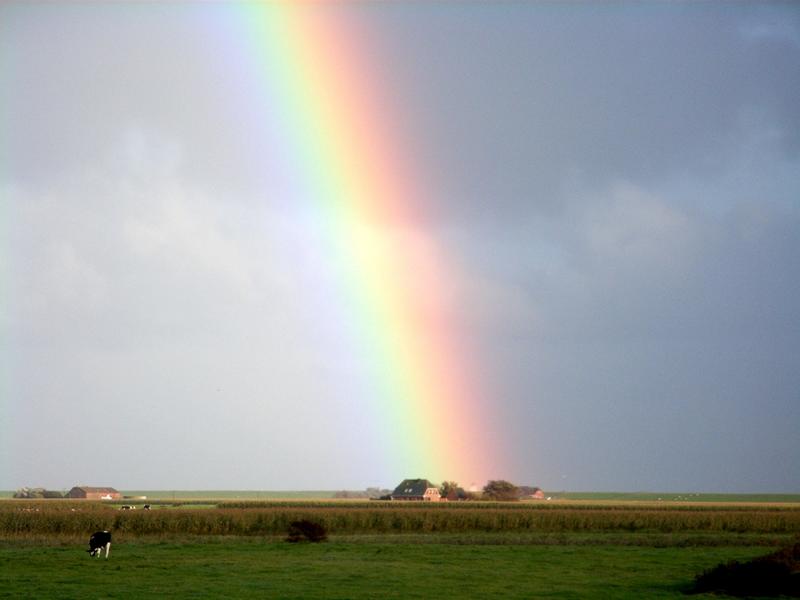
(617, 188)
(598, 94)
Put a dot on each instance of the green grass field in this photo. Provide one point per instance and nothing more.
(197, 547)
(232, 494)
(239, 568)
(676, 497)
(217, 494)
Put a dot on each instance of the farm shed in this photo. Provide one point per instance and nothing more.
(538, 494)
(416, 489)
(94, 493)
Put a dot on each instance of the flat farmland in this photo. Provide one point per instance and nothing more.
(382, 549)
(239, 568)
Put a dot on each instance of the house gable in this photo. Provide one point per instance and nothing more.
(416, 489)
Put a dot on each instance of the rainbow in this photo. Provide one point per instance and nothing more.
(313, 73)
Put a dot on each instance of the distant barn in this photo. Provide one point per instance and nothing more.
(94, 493)
(416, 489)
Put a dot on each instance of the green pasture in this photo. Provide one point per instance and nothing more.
(353, 568)
(194, 548)
(219, 495)
(675, 497)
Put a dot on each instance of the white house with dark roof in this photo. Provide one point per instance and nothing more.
(416, 489)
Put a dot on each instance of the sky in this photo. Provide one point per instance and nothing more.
(613, 190)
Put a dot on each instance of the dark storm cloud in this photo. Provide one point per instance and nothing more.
(536, 97)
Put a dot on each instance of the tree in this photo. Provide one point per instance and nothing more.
(500, 490)
(29, 493)
(447, 488)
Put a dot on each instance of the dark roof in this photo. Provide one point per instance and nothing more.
(412, 487)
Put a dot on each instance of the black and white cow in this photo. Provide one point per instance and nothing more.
(98, 541)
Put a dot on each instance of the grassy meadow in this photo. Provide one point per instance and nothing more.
(230, 547)
(239, 568)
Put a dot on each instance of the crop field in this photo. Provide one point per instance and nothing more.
(232, 548)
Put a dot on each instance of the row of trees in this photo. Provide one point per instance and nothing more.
(496, 489)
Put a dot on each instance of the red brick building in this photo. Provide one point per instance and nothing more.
(94, 493)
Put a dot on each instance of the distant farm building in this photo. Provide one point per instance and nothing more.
(94, 493)
(527, 492)
(416, 489)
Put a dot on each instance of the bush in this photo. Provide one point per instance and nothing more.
(772, 575)
(305, 529)
(500, 490)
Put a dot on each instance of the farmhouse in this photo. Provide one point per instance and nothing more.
(416, 489)
(94, 493)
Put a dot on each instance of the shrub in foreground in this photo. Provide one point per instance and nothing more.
(776, 574)
(306, 530)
